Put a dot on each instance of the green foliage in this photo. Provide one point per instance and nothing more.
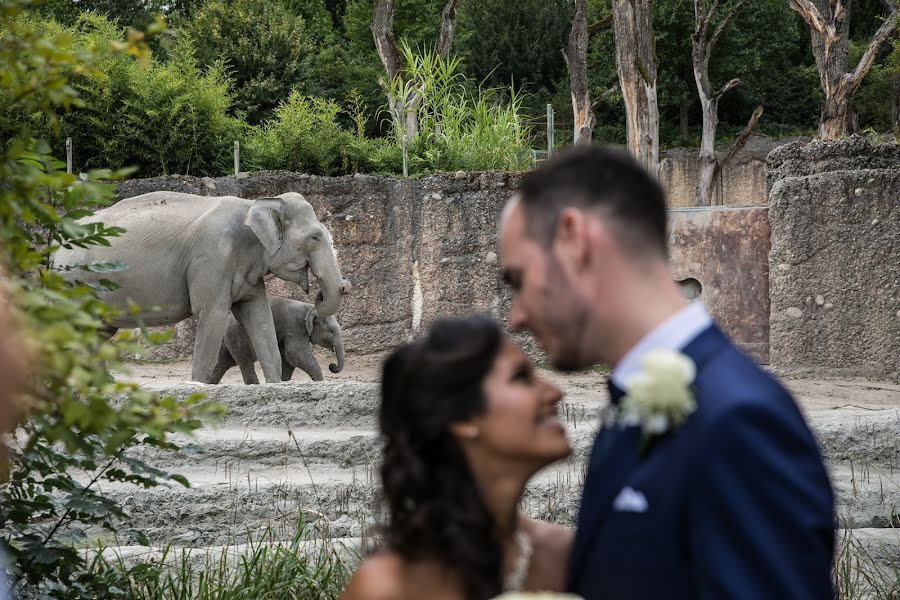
(160, 117)
(456, 129)
(264, 46)
(303, 136)
(76, 436)
(872, 100)
(307, 567)
(519, 43)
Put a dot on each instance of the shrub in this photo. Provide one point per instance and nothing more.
(303, 136)
(263, 45)
(75, 436)
(160, 117)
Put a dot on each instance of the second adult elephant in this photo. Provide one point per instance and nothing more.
(208, 256)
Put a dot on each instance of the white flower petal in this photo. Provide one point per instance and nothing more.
(656, 424)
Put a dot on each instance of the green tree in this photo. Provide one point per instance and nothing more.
(76, 435)
(519, 43)
(263, 45)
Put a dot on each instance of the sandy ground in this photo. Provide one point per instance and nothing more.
(813, 393)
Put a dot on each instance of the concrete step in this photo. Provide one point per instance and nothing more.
(232, 501)
(863, 435)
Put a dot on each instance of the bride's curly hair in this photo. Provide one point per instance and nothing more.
(435, 510)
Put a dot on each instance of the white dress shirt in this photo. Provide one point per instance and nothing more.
(674, 333)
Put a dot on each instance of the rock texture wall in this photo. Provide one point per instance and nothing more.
(419, 249)
(720, 254)
(835, 275)
(743, 181)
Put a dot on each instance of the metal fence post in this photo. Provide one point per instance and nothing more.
(550, 127)
(69, 166)
(237, 158)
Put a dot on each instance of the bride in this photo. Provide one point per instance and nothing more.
(466, 423)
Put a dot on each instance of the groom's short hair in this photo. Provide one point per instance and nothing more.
(607, 181)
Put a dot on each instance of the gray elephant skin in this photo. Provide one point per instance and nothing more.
(207, 256)
(296, 335)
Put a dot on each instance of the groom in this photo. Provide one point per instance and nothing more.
(732, 503)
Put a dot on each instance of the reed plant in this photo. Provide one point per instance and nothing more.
(448, 124)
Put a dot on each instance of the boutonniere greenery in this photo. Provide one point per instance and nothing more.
(660, 396)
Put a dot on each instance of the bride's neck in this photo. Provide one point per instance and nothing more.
(501, 488)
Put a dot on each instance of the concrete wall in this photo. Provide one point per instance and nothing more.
(743, 181)
(835, 276)
(419, 249)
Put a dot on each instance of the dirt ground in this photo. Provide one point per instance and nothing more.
(812, 392)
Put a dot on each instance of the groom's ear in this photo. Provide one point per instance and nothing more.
(573, 235)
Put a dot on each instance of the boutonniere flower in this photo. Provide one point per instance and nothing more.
(660, 396)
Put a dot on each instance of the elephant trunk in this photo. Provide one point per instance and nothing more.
(331, 286)
(339, 353)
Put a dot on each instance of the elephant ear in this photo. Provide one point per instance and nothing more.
(310, 322)
(266, 219)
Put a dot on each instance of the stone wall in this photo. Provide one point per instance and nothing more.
(743, 181)
(835, 276)
(419, 249)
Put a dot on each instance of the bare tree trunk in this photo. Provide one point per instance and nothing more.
(683, 127)
(576, 59)
(636, 66)
(829, 24)
(448, 29)
(383, 33)
(702, 45)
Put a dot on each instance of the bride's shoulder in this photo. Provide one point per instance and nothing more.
(379, 577)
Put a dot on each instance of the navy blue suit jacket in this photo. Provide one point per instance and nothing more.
(739, 504)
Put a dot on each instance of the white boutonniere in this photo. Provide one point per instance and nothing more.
(660, 396)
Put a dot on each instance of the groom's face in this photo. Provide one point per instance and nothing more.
(545, 300)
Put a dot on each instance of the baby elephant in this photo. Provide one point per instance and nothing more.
(295, 339)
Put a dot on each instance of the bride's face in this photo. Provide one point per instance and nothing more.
(519, 422)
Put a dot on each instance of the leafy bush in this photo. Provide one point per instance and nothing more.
(303, 136)
(75, 435)
(159, 117)
(262, 44)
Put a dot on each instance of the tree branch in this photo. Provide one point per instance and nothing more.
(742, 139)
(810, 14)
(727, 88)
(868, 57)
(448, 28)
(605, 95)
(600, 26)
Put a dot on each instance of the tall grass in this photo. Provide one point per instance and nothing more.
(307, 567)
(860, 573)
(448, 127)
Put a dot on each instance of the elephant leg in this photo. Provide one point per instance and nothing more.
(287, 371)
(212, 321)
(299, 354)
(223, 363)
(255, 315)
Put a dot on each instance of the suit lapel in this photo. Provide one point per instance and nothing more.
(614, 458)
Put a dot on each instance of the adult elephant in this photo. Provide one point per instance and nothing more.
(207, 256)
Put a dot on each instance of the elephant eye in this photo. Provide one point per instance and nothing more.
(317, 237)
